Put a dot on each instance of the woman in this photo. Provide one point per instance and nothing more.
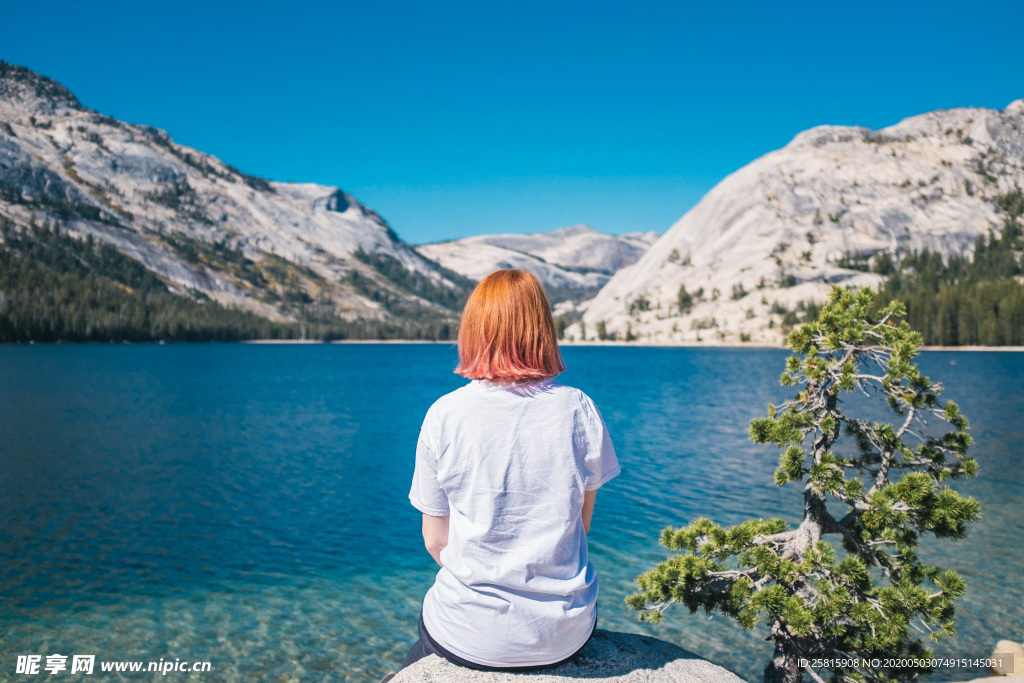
(507, 471)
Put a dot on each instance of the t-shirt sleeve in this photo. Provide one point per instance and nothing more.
(600, 464)
(426, 494)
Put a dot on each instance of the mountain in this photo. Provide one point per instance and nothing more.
(285, 252)
(573, 262)
(837, 205)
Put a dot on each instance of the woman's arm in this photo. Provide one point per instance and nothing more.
(588, 509)
(435, 536)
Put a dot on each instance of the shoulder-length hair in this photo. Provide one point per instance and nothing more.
(507, 332)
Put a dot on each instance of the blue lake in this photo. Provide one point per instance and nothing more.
(246, 504)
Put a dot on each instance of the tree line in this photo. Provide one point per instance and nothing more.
(54, 287)
(962, 300)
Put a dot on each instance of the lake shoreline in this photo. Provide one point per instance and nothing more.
(452, 342)
(685, 345)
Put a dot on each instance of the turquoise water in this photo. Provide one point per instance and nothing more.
(246, 505)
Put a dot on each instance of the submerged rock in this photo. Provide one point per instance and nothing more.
(608, 657)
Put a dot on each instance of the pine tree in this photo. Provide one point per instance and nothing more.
(865, 601)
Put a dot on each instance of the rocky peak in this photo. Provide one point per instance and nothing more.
(199, 223)
(32, 93)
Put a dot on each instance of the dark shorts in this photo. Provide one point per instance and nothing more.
(426, 645)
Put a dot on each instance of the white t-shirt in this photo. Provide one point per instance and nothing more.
(510, 463)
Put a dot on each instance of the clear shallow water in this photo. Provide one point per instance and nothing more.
(246, 504)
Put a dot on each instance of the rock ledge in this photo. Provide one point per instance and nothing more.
(609, 657)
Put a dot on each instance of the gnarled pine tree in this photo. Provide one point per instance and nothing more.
(856, 607)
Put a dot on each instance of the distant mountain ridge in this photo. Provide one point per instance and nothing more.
(572, 262)
(305, 257)
(111, 230)
(834, 206)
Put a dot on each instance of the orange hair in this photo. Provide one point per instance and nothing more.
(507, 332)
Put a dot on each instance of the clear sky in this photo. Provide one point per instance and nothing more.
(454, 119)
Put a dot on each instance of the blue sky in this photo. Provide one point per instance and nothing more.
(454, 119)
